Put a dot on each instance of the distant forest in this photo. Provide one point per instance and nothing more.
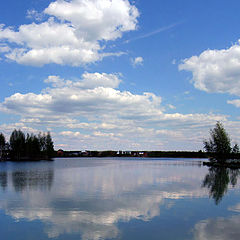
(146, 154)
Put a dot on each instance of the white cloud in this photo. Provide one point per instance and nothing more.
(235, 102)
(7, 129)
(4, 48)
(96, 19)
(91, 110)
(171, 106)
(33, 14)
(73, 33)
(80, 97)
(88, 81)
(138, 61)
(215, 71)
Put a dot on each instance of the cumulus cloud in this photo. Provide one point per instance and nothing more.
(97, 19)
(72, 35)
(215, 71)
(88, 81)
(33, 14)
(7, 128)
(80, 97)
(93, 111)
(137, 61)
(235, 102)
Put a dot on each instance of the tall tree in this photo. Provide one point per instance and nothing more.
(2, 141)
(219, 144)
(2, 145)
(17, 144)
(49, 145)
(32, 146)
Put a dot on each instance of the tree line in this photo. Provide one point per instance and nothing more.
(23, 146)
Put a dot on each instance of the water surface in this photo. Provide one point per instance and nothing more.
(118, 199)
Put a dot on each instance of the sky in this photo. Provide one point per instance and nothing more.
(120, 74)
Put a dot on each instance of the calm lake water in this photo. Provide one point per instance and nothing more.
(118, 199)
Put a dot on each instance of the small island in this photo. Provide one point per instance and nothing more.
(219, 149)
(26, 147)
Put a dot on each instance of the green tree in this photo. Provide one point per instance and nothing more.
(32, 146)
(17, 144)
(49, 145)
(46, 145)
(2, 145)
(2, 141)
(219, 143)
(42, 141)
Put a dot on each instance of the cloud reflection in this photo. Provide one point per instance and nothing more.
(91, 198)
(218, 229)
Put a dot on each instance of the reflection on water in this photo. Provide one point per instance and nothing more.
(218, 229)
(33, 179)
(3, 180)
(107, 199)
(218, 180)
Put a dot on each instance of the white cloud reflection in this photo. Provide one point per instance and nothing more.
(218, 229)
(91, 198)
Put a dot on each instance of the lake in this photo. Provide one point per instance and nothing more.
(107, 198)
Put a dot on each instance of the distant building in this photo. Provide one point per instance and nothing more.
(86, 153)
(60, 153)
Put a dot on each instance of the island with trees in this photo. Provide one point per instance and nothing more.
(26, 147)
(219, 149)
(224, 163)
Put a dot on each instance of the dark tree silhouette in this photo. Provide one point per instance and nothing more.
(49, 145)
(17, 144)
(46, 144)
(219, 144)
(30, 147)
(2, 141)
(2, 145)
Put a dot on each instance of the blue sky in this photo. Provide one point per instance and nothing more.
(101, 74)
